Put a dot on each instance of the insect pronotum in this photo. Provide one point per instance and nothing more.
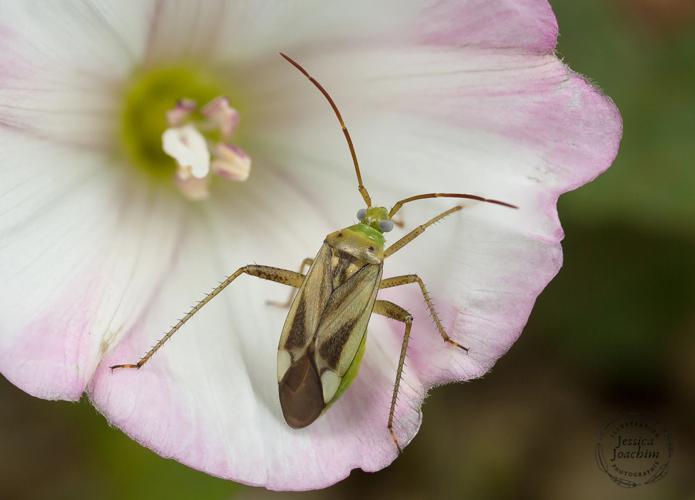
(324, 335)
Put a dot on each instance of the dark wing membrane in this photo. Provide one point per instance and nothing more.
(344, 321)
(301, 393)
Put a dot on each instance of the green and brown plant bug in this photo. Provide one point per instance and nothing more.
(324, 335)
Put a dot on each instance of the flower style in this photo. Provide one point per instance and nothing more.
(101, 250)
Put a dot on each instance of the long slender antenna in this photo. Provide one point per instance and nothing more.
(360, 185)
(402, 202)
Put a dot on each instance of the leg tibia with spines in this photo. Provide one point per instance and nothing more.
(282, 276)
(418, 231)
(394, 311)
(414, 278)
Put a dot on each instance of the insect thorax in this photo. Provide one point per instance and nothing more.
(360, 241)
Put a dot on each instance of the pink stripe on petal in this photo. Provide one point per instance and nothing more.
(597, 122)
(576, 127)
(139, 399)
(51, 357)
(573, 125)
(487, 322)
(528, 25)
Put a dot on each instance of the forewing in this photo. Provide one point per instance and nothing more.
(343, 325)
(305, 311)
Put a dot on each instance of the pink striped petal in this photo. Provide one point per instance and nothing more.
(527, 25)
(457, 95)
(83, 249)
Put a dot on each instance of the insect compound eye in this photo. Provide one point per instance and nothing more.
(385, 225)
(361, 213)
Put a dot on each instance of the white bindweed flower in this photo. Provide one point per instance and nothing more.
(113, 114)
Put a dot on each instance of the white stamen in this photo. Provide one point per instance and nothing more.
(231, 162)
(190, 150)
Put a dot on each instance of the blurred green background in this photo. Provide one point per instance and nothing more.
(614, 332)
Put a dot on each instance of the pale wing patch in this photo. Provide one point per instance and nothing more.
(284, 362)
(330, 381)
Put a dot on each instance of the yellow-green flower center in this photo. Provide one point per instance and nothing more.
(146, 101)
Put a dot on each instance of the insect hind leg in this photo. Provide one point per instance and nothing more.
(394, 311)
(282, 276)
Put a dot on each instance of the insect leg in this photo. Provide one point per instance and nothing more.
(414, 278)
(306, 263)
(393, 311)
(418, 231)
(283, 276)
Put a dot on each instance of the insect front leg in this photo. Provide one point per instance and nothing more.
(418, 231)
(414, 278)
(306, 264)
(394, 311)
(282, 276)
